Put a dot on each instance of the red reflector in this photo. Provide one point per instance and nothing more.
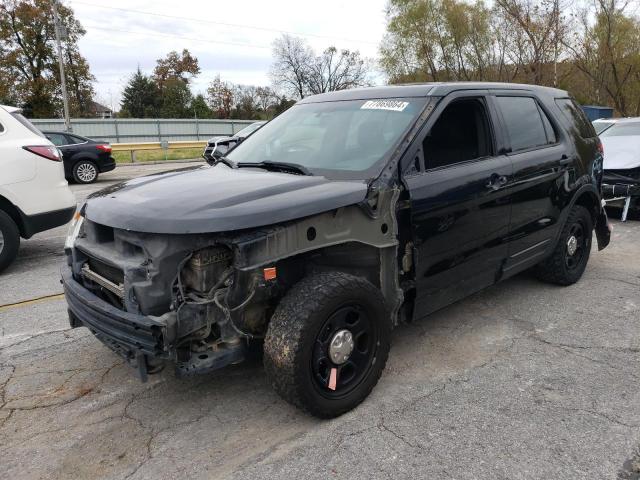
(104, 148)
(600, 147)
(270, 273)
(45, 151)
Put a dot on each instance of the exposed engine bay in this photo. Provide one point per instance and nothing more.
(207, 298)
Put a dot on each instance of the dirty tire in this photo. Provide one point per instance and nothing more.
(296, 328)
(556, 268)
(9, 240)
(85, 171)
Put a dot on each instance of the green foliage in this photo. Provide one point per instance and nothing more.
(28, 59)
(592, 50)
(140, 98)
(200, 108)
(176, 100)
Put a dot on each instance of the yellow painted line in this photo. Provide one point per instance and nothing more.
(46, 298)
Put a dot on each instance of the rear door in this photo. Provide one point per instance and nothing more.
(460, 207)
(541, 158)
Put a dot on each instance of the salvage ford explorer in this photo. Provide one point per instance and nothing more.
(347, 214)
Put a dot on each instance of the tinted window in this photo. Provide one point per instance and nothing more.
(1, 128)
(623, 130)
(72, 139)
(461, 133)
(572, 111)
(548, 127)
(523, 122)
(57, 139)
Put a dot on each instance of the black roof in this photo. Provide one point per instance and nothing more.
(435, 89)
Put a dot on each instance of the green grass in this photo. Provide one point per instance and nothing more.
(159, 155)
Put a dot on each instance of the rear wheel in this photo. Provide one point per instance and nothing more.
(569, 259)
(327, 343)
(85, 171)
(9, 240)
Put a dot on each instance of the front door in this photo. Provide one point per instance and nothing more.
(460, 205)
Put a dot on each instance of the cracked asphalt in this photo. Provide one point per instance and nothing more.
(521, 381)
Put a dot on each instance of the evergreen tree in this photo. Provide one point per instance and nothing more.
(141, 97)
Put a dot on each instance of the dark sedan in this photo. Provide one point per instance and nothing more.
(83, 157)
(220, 146)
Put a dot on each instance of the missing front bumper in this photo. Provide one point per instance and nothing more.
(144, 342)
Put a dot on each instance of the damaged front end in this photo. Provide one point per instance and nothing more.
(202, 301)
(622, 186)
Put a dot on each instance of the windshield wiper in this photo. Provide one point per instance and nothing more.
(278, 167)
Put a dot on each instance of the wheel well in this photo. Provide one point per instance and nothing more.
(10, 209)
(352, 257)
(76, 161)
(589, 201)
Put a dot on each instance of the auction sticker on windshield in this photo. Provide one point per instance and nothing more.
(394, 105)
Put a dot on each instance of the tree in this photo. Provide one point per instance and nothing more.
(29, 58)
(607, 53)
(200, 108)
(176, 67)
(141, 97)
(176, 99)
(221, 97)
(298, 71)
(290, 71)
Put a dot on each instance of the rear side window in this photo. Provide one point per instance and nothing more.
(524, 122)
(1, 128)
(73, 140)
(57, 139)
(622, 130)
(572, 111)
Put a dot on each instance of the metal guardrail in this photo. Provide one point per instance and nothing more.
(122, 130)
(164, 145)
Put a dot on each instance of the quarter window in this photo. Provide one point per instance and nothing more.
(57, 139)
(572, 111)
(524, 122)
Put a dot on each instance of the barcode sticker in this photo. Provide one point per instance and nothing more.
(394, 105)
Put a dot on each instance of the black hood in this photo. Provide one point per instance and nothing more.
(217, 199)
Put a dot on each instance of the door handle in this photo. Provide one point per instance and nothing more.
(565, 160)
(497, 181)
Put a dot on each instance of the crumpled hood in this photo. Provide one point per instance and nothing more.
(217, 199)
(621, 152)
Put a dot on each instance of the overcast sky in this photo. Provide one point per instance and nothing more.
(118, 39)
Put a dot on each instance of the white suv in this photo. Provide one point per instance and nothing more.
(34, 195)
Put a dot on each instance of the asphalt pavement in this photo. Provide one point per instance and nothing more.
(521, 381)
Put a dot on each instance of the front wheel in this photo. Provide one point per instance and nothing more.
(85, 171)
(9, 240)
(568, 261)
(327, 343)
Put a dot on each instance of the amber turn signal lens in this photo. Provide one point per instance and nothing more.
(270, 273)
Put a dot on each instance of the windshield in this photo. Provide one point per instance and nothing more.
(246, 131)
(340, 140)
(622, 130)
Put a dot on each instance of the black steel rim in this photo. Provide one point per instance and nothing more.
(578, 231)
(351, 373)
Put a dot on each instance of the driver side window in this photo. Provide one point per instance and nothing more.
(460, 134)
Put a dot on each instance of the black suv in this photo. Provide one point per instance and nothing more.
(83, 157)
(314, 250)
